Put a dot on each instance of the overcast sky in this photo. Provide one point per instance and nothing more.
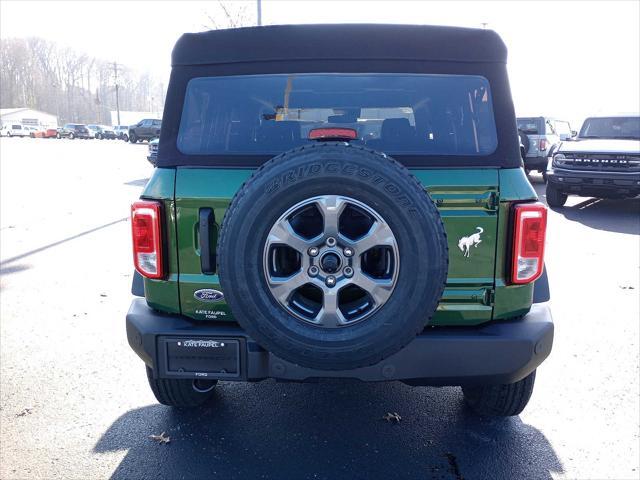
(568, 59)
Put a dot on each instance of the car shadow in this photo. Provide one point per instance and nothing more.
(328, 430)
(619, 216)
(5, 262)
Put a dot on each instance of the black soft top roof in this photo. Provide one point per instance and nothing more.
(339, 42)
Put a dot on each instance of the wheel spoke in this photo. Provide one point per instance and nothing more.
(330, 315)
(282, 233)
(379, 289)
(283, 287)
(331, 206)
(379, 235)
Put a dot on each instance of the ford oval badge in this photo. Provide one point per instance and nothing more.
(208, 295)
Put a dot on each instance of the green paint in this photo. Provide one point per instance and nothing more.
(476, 289)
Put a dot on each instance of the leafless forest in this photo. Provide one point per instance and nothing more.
(40, 74)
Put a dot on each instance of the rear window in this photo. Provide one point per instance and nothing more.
(611, 127)
(396, 113)
(529, 126)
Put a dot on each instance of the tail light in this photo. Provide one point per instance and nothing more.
(146, 229)
(530, 227)
(543, 144)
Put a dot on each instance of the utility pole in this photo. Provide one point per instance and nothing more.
(115, 72)
(259, 12)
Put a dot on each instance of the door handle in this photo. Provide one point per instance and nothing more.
(207, 228)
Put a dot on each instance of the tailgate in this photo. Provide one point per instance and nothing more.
(467, 201)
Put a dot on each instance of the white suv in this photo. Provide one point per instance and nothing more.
(14, 130)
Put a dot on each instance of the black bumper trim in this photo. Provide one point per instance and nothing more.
(575, 181)
(498, 353)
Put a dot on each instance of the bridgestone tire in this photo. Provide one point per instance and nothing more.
(181, 393)
(500, 400)
(369, 177)
(555, 198)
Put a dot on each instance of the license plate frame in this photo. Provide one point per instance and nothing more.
(199, 357)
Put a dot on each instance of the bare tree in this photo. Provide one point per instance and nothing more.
(39, 74)
(229, 15)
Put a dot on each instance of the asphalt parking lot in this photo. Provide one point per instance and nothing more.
(74, 401)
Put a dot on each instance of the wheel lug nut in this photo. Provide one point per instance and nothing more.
(348, 252)
(313, 251)
(331, 242)
(348, 272)
(313, 271)
(330, 281)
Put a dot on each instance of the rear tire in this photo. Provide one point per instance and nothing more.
(555, 198)
(500, 400)
(181, 393)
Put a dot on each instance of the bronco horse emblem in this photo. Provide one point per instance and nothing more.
(465, 243)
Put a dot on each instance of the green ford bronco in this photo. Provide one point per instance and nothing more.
(340, 201)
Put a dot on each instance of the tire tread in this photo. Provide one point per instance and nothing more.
(176, 392)
(500, 400)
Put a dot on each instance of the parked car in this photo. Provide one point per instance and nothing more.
(93, 130)
(122, 132)
(290, 240)
(15, 130)
(540, 137)
(34, 132)
(50, 133)
(74, 130)
(603, 161)
(147, 129)
(101, 132)
(153, 151)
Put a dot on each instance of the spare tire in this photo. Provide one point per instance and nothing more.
(332, 256)
(524, 140)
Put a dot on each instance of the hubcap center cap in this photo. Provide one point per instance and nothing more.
(330, 262)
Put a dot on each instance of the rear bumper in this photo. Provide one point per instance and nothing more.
(595, 183)
(497, 353)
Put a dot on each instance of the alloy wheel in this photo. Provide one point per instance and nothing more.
(331, 261)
